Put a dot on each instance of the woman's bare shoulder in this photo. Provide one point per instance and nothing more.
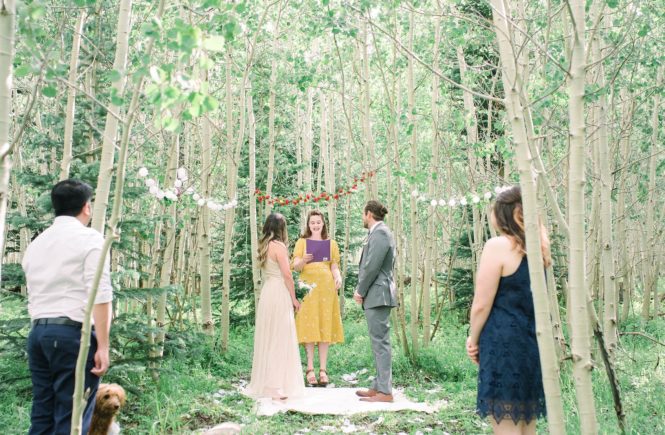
(499, 244)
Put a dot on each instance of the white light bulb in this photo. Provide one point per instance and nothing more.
(442, 203)
(201, 202)
(434, 203)
(452, 202)
(196, 197)
(488, 195)
(143, 172)
(177, 183)
(462, 201)
(476, 199)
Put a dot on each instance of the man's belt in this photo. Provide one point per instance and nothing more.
(57, 321)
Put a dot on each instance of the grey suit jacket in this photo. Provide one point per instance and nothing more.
(376, 283)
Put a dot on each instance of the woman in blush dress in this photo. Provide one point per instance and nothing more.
(276, 368)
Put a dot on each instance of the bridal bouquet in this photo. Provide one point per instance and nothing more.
(306, 286)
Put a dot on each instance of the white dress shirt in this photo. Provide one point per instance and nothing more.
(60, 265)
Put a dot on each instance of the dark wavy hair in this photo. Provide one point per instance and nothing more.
(509, 218)
(378, 210)
(273, 229)
(308, 233)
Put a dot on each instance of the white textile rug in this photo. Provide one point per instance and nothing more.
(340, 401)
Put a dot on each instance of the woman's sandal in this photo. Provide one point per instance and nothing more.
(311, 382)
(321, 378)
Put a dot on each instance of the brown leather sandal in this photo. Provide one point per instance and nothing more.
(321, 381)
(311, 382)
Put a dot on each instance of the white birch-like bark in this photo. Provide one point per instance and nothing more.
(415, 252)
(71, 97)
(204, 228)
(253, 230)
(578, 312)
(514, 94)
(7, 34)
(111, 128)
(651, 240)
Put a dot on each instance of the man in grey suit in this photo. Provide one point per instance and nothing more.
(376, 292)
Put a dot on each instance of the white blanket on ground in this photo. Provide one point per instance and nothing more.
(341, 401)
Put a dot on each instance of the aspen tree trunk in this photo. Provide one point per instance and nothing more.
(578, 313)
(79, 400)
(610, 333)
(204, 233)
(7, 31)
(434, 167)
(330, 171)
(253, 234)
(324, 163)
(307, 138)
(650, 238)
(511, 82)
(229, 218)
(623, 253)
(366, 120)
(167, 260)
(111, 128)
(271, 113)
(414, 206)
(71, 97)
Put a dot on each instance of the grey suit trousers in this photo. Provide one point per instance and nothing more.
(378, 322)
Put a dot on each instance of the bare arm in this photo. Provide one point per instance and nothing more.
(487, 282)
(282, 258)
(102, 314)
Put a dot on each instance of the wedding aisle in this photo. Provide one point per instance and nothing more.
(341, 401)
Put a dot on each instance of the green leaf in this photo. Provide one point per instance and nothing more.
(210, 103)
(36, 12)
(22, 71)
(49, 91)
(613, 3)
(114, 75)
(214, 43)
(644, 31)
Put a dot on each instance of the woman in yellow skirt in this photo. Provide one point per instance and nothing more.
(318, 321)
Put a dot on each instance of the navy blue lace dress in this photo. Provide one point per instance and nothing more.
(509, 378)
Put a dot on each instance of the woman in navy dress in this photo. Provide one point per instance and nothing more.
(502, 338)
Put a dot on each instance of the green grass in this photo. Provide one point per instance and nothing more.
(182, 399)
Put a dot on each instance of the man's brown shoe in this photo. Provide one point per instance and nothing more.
(378, 397)
(366, 393)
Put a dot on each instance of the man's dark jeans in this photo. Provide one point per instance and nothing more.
(52, 353)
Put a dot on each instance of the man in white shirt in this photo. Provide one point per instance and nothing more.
(60, 265)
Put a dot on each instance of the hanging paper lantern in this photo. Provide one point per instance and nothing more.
(143, 172)
(177, 183)
(150, 182)
(433, 203)
(181, 173)
(452, 202)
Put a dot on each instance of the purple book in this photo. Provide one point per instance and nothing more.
(320, 249)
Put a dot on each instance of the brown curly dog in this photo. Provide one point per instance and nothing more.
(110, 398)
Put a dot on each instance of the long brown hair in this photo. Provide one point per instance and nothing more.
(308, 233)
(273, 229)
(509, 218)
